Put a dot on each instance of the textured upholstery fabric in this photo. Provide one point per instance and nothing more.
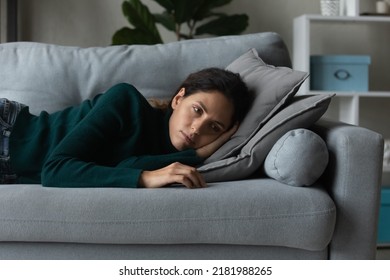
(353, 177)
(303, 112)
(298, 158)
(219, 214)
(66, 251)
(36, 74)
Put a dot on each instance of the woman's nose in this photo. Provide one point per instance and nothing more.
(195, 129)
(197, 126)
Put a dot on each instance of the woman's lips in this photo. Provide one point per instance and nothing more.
(187, 139)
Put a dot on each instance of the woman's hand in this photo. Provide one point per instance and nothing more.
(173, 173)
(209, 149)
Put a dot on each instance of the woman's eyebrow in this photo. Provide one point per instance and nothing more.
(204, 108)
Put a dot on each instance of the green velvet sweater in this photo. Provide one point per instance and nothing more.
(104, 142)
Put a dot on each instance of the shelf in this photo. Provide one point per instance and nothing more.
(320, 18)
(385, 94)
(349, 102)
(301, 35)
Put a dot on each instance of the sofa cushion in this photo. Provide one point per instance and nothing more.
(298, 158)
(250, 212)
(272, 88)
(304, 111)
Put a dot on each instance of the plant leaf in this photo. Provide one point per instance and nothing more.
(166, 19)
(140, 17)
(226, 25)
(167, 4)
(128, 36)
(185, 9)
(204, 10)
(218, 3)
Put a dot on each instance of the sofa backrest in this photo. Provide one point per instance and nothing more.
(51, 77)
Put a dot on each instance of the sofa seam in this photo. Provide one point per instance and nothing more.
(270, 217)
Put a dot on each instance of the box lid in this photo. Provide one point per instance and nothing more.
(345, 59)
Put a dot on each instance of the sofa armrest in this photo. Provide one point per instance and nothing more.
(353, 178)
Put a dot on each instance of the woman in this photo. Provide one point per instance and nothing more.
(119, 140)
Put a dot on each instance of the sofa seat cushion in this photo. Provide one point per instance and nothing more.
(250, 212)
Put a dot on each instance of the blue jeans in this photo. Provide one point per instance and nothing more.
(9, 110)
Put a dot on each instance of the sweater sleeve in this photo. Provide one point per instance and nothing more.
(153, 162)
(71, 162)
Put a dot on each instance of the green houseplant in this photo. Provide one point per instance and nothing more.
(197, 15)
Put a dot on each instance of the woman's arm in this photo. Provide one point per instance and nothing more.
(73, 162)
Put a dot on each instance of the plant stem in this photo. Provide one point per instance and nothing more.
(191, 25)
(178, 36)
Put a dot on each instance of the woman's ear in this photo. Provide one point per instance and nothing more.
(177, 98)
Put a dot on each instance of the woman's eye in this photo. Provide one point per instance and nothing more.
(197, 109)
(215, 128)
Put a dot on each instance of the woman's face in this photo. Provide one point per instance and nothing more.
(199, 119)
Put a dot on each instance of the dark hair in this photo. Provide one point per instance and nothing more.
(226, 82)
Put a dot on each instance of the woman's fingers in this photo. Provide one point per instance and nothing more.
(173, 173)
(188, 176)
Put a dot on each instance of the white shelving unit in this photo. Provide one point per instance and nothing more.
(349, 102)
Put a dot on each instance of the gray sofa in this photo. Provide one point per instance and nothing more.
(252, 218)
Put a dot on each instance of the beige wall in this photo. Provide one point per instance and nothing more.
(71, 22)
(93, 22)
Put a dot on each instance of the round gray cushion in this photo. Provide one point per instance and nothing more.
(298, 158)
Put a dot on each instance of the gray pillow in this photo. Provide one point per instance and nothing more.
(298, 158)
(302, 112)
(272, 87)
